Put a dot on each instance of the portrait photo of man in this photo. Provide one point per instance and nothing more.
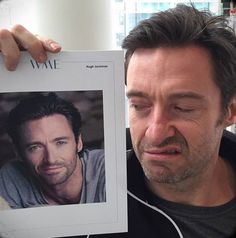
(57, 149)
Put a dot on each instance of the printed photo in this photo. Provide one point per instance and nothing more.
(52, 148)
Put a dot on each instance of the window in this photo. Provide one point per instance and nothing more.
(130, 12)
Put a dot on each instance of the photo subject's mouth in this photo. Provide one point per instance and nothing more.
(52, 169)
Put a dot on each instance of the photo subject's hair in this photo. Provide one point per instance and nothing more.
(39, 106)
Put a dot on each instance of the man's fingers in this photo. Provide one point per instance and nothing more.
(29, 42)
(9, 49)
(18, 38)
(49, 44)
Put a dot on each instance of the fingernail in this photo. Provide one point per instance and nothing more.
(54, 45)
(11, 67)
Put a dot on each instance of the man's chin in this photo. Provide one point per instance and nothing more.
(52, 180)
(159, 175)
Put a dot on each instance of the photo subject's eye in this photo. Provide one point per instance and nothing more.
(61, 142)
(33, 148)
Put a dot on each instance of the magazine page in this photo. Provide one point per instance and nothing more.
(62, 146)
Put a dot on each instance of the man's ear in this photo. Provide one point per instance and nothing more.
(79, 144)
(231, 113)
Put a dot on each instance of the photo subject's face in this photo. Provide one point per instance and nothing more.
(174, 111)
(50, 149)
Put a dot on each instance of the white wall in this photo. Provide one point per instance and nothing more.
(75, 24)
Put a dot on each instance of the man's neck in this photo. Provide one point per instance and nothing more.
(68, 192)
(213, 188)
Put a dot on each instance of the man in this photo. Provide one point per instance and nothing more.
(54, 168)
(181, 85)
(181, 88)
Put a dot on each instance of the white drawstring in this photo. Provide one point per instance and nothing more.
(157, 210)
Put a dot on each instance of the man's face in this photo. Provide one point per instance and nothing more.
(175, 112)
(49, 148)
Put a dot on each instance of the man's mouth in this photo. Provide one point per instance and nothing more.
(163, 153)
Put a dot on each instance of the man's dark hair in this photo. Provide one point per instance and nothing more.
(182, 26)
(38, 106)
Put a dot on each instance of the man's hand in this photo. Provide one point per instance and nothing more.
(19, 38)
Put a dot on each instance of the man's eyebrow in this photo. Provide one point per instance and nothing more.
(61, 138)
(187, 95)
(136, 93)
(40, 143)
(172, 96)
(26, 145)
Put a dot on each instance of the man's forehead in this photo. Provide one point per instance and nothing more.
(55, 121)
(189, 50)
(186, 67)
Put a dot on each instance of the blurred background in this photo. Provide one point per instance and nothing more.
(74, 23)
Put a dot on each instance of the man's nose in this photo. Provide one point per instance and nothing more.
(49, 155)
(159, 128)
